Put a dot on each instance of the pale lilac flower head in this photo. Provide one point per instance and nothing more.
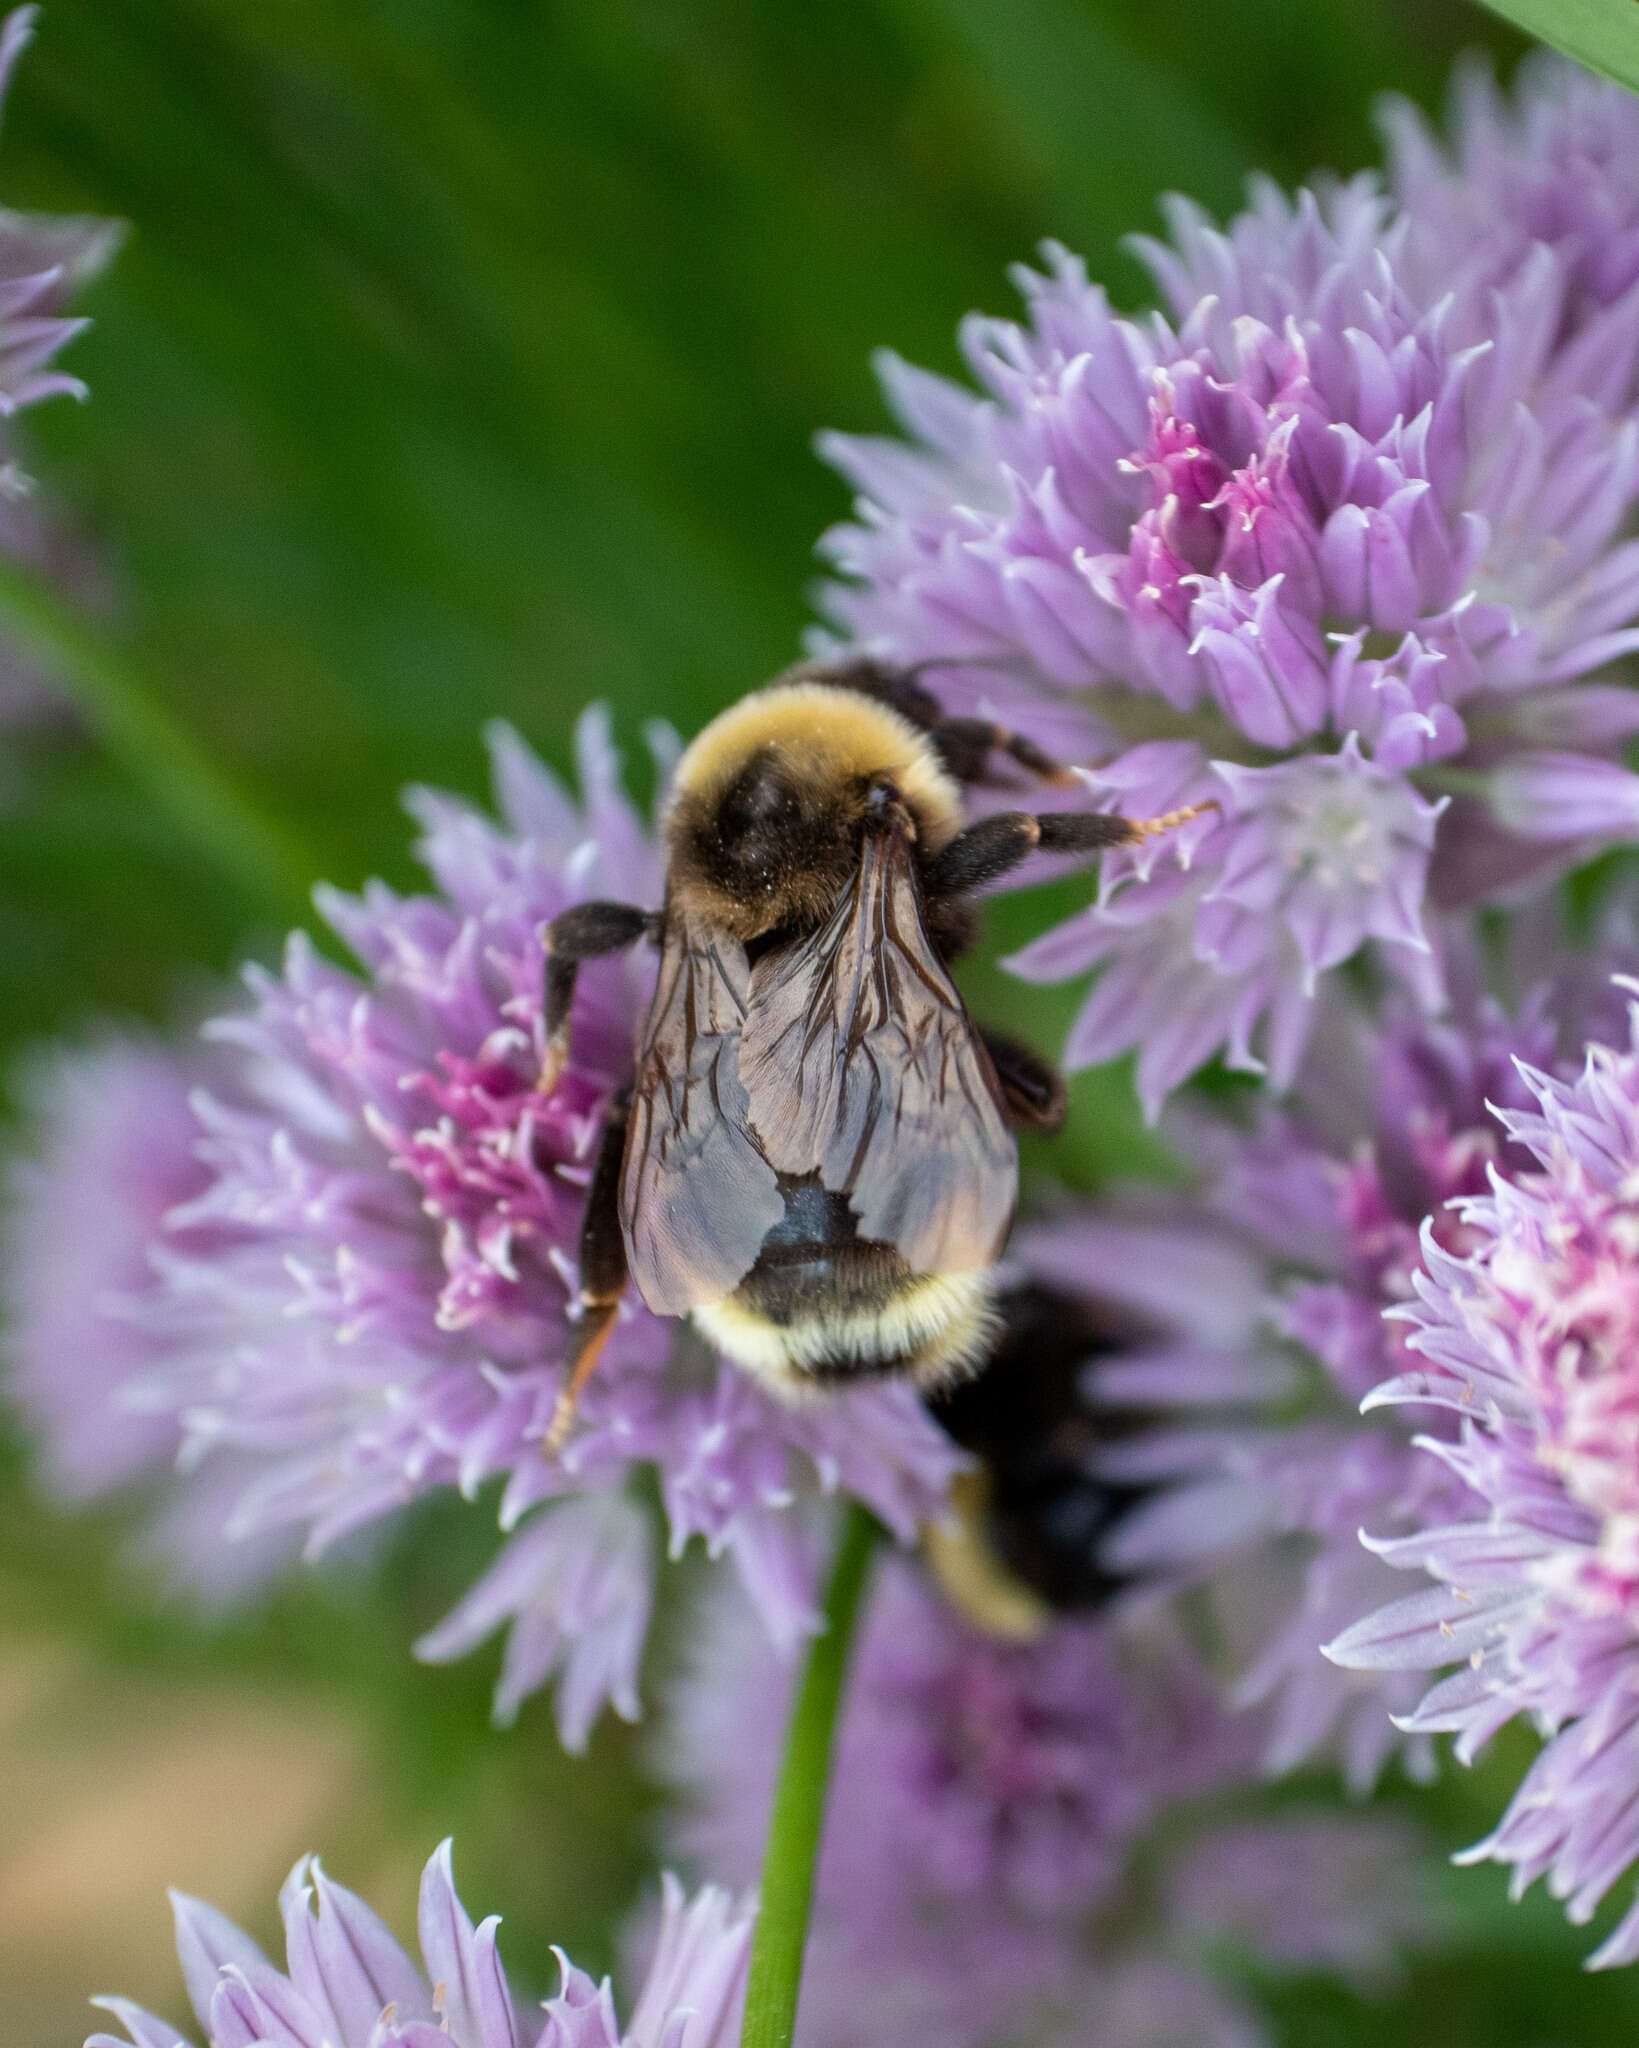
(1524, 1334)
(1306, 545)
(993, 1867)
(348, 1984)
(44, 259)
(1551, 164)
(364, 1289)
(985, 1800)
(1308, 1889)
(1333, 1193)
(112, 1150)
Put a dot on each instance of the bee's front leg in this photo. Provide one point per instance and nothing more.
(586, 931)
(996, 845)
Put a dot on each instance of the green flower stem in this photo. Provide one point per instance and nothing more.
(123, 710)
(799, 1802)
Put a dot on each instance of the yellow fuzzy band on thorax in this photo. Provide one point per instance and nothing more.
(835, 734)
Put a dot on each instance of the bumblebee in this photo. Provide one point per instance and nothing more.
(1029, 1522)
(815, 1160)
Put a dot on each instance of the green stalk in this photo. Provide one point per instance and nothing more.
(124, 711)
(799, 1802)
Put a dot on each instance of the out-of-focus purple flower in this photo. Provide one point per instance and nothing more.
(114, 1149)
(988, 1868)
(44, 259)
(1390, 1123)
(1524, 1334)
(362, 1291)
(1554, 164)
(973, 1777)
(984, 1802)
(1327, 543)
(348, 1984)
(1303, 1889)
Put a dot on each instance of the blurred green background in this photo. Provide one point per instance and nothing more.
(463, 361)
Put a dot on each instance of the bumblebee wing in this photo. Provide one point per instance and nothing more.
(697, 1196)
(861, 1065)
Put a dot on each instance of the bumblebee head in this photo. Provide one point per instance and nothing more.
(770, 803)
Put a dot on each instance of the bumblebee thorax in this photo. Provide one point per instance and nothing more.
(764, 827)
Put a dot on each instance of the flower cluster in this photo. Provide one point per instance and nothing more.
(1329, 1195)
(114, 1152)
(983, 1876)
(1336, 555)
(1525, 1334)
(44, 261)
(1555, 166)
(363, 1260)
(348, 1984)
(1330, 544)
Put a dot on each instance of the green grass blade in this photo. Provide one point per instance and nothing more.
(207, 807)
(1603, 34)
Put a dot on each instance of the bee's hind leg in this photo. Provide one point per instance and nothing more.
(602, 1274)
(1033, 1090)
(966, 744)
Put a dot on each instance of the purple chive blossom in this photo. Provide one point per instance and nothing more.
(1332, 1193)
(1329, 542)
(44, 259)
(986, 1800)
(1524, 1333)
(348, 1984)
(1555, 165)
(114, 1150)
(1305, 1889)
(362, 1294)
(989, 1871)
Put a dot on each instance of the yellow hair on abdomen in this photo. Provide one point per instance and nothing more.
(834, 733)
(936, 1328)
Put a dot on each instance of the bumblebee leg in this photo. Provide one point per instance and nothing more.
(996, 845)
(1032, 1088)
(602, 1274)
(587, 931)
(966, 744)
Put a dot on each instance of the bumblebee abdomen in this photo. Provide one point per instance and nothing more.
(823, 1307)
